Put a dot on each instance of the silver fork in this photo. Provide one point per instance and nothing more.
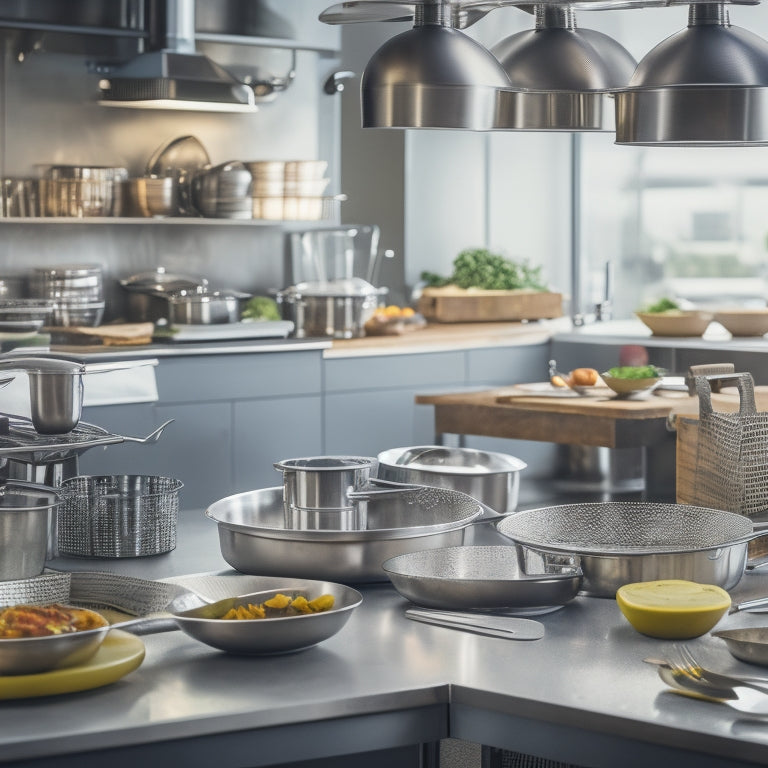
(692, 668)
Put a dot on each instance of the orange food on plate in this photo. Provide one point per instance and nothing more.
(41, 620)
(584, 377)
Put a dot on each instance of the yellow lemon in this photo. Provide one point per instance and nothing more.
(672, 609)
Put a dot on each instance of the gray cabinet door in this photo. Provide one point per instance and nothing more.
(268, 430)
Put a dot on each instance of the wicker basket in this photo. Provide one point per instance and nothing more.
(119, 516)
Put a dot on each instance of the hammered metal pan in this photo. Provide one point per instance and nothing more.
(623, 542)
(483, 577)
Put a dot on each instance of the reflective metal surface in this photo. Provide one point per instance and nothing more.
(560, 75)
(431, 76)
(707, 85)
(483, 577)
(491, 478)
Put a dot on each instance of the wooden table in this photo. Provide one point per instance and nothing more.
(593, 420)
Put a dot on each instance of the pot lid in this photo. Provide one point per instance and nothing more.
(354, 286)
(203, 296)
(21, 496)
(160, 281)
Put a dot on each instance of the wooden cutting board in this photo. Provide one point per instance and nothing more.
(451, 304)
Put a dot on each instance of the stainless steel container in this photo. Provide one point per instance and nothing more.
(148, 293)
(25, 517)
(223, 191)
(202, 307)
(619, 543)
(119, 515)
(316, 491)
(338, 309)
(150, 196)
(492, 478)
(254, 537)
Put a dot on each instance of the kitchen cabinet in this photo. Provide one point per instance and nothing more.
(236, 414)
(233, 415)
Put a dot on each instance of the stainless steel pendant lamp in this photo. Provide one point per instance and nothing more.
(431, 76)
(561, 75)
(707, 85)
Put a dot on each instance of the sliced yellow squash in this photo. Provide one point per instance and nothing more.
(672, 609)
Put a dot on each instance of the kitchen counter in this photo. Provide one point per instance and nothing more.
(581, 694)
(434, 338)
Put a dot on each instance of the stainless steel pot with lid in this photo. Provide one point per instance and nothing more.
(205, 307)
(148, 292)
(337, 308)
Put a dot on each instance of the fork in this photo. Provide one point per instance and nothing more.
(693, 669)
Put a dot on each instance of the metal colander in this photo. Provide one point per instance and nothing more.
(119, 515)
(626, 528)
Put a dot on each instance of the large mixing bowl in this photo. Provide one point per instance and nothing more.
(492, 478)
(256, 537)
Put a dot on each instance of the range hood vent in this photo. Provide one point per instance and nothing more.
(175, 76)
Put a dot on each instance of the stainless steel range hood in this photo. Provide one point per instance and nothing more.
(174, 75)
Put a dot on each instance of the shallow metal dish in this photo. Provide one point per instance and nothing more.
(285, 634)
(484, 577)
(255, 536)
(749, 644)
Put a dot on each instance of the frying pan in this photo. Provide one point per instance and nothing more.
(30, 655)
(484, 578)
(623, 542)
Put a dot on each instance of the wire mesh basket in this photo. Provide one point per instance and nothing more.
(119, 516)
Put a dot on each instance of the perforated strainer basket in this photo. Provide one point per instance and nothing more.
(608, 528)
(119, 516)
(623, 542)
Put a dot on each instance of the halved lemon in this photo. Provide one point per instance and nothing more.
(672, 609)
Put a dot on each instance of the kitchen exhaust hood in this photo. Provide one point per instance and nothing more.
(172, 75)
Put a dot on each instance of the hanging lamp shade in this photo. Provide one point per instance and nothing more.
(707, 85)
(561, 75)
(431, 76)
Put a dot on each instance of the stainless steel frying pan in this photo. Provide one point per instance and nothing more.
(248, 637)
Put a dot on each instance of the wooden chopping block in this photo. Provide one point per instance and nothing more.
(451, 304)
(115, 335)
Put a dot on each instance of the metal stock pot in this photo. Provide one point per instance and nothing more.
(338, 308)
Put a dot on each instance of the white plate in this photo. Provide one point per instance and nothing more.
(256, 329)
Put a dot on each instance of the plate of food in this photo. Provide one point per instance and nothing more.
(633, 380)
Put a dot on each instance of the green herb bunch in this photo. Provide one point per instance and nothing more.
(480, 268)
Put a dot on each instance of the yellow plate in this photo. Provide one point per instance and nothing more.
(119, 654)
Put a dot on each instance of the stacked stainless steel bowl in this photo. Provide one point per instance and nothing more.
(82, 191)
(76, 289)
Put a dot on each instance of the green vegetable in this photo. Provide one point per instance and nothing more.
(662, 305)
(261, 308)
(480, 268)
(635, 372)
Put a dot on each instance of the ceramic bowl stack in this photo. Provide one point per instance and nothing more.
(292, 189)
(77, 291)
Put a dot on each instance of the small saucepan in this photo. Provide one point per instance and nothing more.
(268, 636)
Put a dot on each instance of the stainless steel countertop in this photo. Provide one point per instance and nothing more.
(581, 694)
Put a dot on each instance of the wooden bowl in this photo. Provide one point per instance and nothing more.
(744, 322)
(677, 322)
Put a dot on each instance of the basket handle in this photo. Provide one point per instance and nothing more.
(743, 381)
